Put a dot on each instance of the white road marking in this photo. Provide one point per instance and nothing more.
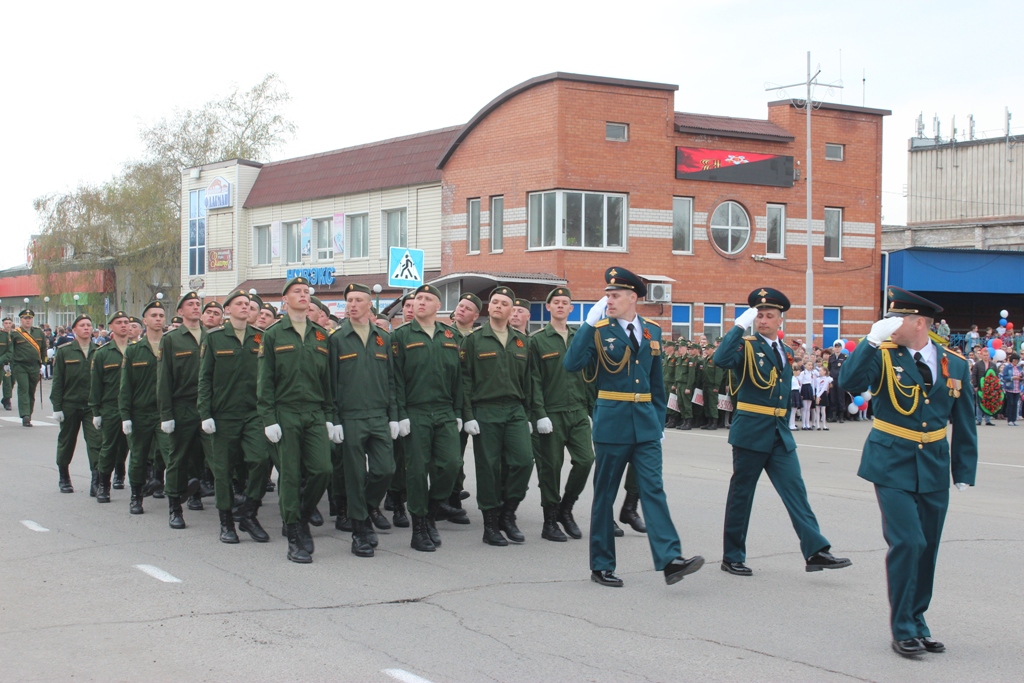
(35, 423)
(158, 573)
(404, 676)
(999, 464)
(33, 526)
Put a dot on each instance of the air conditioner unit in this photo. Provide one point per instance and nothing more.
(659, 293)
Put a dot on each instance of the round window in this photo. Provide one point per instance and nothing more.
(730, 228)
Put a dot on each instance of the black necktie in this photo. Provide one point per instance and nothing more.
(778, 355)
(632, 338)
(926, 372)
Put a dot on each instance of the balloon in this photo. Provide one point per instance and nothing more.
(866, 395)
(1002, 322)
(864, 407)
(1009, 326)
(858, 400)
(1000, 331)
(851, 345)
(999, 356)
(846, 352)
(997, 344)
(781, 334)
(1004, 313)
(852, 409)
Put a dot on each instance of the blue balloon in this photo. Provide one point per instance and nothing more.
(858, 400)
(1002, 322)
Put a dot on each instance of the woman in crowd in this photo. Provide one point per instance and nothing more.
(1011, 378)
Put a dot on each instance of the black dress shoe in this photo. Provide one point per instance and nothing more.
(908, 648)
(825, 560)
(932, 645)
(680, 567)
(617, 531)
(606, 578)
(737, 568)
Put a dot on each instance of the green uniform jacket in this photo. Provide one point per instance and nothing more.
(227, 373)
(23, 352)
(105, 386)
(688, 371)
(900, 463)
(492, 372)
(362, 376)
(177, 370)
(428, 373)
(5, 347)
(71, 377)
(555, 389)
(293, 372)
(138, 382)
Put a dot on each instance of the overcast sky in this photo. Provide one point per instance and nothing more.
(82, 77)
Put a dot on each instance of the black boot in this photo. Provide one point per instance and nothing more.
(249, 524)
(454, 514)
(135, 504)
(150, 485)
(94, 484)
(550, 531)
(195, 501)
(435, 537)
(296, 553)
(206, 488)
(26, 421)
(400, 518)
(379, 520)
(566, 519)
(360, 543)
(227, 527)
(269, 488)
(371, 535)
(389, 501)
(103, 488)
(118, 482)
(492, 535)
(628, 514)
(6, 403)
(420, 537)
(342, 521)
(305, 537)
(158, 483)
(176, 521)
(685, 426)
(507, 522)
(617, 530)
(315, 518)
(332, 505)
(64, 480)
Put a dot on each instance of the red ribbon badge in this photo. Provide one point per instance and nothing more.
(519, 343)
(647, 333)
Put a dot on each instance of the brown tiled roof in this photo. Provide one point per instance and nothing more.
(731, 127)
(397, 162)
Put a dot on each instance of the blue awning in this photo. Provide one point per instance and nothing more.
(971, 271)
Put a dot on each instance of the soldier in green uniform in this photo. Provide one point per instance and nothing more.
(364, 410)
(293, 397)
(561, 408)
(5, 345)
(105, 387)
(396, 494)
(629, 423)
(671, 369)
(26, 354)
(466, 313)
(496, 388)
(69, 396)
(266, 317)
(177, 392)
(921, 389)
(520, 318)
(227, 408)
(711, 380)
(686, 376)
(760, 435)
(213, 315)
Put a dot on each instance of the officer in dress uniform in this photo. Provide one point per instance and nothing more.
(103, 400)
(629, 421)
(760, 435)
(69, 396)
(26, 353)
(921, 389)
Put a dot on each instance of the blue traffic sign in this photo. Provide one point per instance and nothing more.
(405, 267)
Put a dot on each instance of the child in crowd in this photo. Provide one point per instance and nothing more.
(794, 401)
(806, 393)
(821, 387)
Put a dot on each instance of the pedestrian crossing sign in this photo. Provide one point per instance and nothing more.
(405, 267)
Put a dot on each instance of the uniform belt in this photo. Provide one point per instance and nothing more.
(623, 396)
(760, 410)
(909, 434)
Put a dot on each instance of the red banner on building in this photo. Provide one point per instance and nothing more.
(727, 166)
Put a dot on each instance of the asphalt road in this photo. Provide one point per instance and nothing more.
(75, 605)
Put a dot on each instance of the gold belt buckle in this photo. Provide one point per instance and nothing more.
(636, 398)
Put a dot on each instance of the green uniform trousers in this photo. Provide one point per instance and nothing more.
(398, 480)
(460, 478)
(432, 458)
(711, 404)
(570, 430)
(369, 463)
(27, 379)
(686, 405)
(74, 420)
(912, 526)
(188, 448)
(238, 440)
(338, 477)
(7, 390)
(144, 442)
(114, 451)
(504, 439)
(630, 485)
(304, 448)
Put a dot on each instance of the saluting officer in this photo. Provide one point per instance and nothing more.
(227, 408)
(760, 435)
(293, 397)
(26, 353)
(69, 396)
(921, 389)
(103, 400)
(561, 408)
(629, 422)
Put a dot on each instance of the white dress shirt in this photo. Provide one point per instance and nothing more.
(782, 351)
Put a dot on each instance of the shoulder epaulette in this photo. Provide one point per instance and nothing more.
(603, 322)
(888, 345)
(66, 342)
(215, 329)
(649, 321)
(750, 337)
(953, 353)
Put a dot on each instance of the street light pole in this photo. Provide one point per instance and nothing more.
(376, 290)
(76, 305)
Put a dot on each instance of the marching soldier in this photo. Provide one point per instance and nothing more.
(687, 370)
(176, 322)
(760, 435)
(464, 316)
(293, 397)
(255, 305)
(103, 400)
(520, 318)
(670, 365)
(267, 316)
(496, 388)
(69, 396)
(711, 380)
(27, 352)
(5, 345)
(397, 489)
(213, 315)
(921, 389)
(629, 420)
(135, 328)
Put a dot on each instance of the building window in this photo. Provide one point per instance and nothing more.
(197, 232)
(730, 228)
(834, 152)
(397, 230)
(833, 234)
(449, 296)
(681, 321)
(292, 242)
(261, 245)
(325, 240)
(830, 326)
(576, 220)
(776, 242)
(358, 236)
(618, 132)
(473, 225)
(712, 322)
(497, 223)
(737, 311)
(682, 224)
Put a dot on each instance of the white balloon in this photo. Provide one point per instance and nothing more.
(852, 409)
(866, 395)
(1000, 331)
(1000, 356)
(1004, 313)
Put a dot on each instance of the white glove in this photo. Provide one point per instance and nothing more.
(663, 437)
(273, 433)
(396, 429)
(404, 427)
(167, 427)
(458, 424)
(544, 425)
(961, 487)
(97, 422)
(881, 330)
(472, 428)
(209, 426)
(530, 425)
(746, 318)
(591, 422)
(337, 434)
(598, 311)
(126, 427)
(330, 430)
(58, 415)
